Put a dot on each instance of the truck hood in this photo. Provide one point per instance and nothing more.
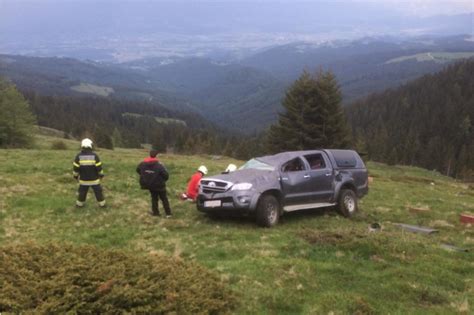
(246, 176)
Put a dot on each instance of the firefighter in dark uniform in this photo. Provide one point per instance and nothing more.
(88, 171)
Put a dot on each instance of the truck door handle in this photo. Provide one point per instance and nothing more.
(307, 176)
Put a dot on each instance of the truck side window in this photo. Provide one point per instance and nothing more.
(315, 161)
(294, 165)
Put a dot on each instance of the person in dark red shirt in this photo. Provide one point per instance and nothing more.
(153, 176)
(193, 184)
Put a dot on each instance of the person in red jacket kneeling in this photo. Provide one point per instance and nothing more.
(193, 184)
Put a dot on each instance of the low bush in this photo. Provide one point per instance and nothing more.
(58, 145)
(62, 278)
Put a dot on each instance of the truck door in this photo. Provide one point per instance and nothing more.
(321, 178)
(295, 182)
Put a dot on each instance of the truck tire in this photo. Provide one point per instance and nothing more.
(347, 203)
(268, 211)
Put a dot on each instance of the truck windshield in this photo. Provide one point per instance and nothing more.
(257, 165)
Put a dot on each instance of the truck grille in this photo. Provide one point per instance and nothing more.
(214, 186)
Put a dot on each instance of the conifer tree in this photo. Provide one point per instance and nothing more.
(16, 120)
(103, 139)
(158, 141)
(117, 138)
(313, 117)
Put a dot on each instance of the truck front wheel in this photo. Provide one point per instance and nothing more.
(268, 211)
(347, 203)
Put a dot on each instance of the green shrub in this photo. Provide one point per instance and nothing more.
(62, 278)
(58, 145)
(16, 119)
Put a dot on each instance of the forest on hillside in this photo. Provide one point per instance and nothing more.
(428, 122)
(123, 123)
(228, 92)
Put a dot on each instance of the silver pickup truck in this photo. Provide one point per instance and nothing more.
(270, 186)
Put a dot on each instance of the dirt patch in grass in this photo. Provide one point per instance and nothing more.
(429, 297)
(466, 193)
(174, 224)
(331, 237)
(440, 223)
(412, 179)
(360, 306)
(59, 278)
(14, 190)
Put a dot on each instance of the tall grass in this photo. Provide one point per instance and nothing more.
(313, 262)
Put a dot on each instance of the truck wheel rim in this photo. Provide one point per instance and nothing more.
(349, 203)
(272, 214)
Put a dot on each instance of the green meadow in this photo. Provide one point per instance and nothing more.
(312, 262)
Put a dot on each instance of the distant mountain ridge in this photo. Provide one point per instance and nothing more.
(130, 30)
(63, 76)
(333, 53)
(244, 95)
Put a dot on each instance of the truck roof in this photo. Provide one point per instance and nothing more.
(279, 158)
(342, 158)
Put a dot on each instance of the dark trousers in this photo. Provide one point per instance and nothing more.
(83, 189)
(164, 199)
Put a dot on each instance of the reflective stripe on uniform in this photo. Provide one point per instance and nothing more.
(98, 164)
(89, 182)
(87, 162)
(75, 164)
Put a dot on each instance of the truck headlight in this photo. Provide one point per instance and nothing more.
(242, 186)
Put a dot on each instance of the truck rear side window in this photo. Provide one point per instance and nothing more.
(344, 158)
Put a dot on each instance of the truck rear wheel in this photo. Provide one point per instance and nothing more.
(347, 203)
(268, 211)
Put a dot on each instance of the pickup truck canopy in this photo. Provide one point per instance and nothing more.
(341, 158)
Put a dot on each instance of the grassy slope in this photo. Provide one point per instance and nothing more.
(312, 262)
(93, 89)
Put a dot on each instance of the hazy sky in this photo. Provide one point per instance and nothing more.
(44, 18)
(200, 25)
(428, 7)
(410, 7)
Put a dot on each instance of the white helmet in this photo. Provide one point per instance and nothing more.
(202, 169)
(230, 168)
(86, 143)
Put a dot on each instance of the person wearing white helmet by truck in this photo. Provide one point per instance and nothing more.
(230, 168)
(87, 170)
(193, 184)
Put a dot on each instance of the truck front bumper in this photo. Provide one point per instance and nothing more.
(244, 202)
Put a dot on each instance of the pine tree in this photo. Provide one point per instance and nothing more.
(313, 116)
(103, 139)
(16, 120)
(158, 141)
(117, 138)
